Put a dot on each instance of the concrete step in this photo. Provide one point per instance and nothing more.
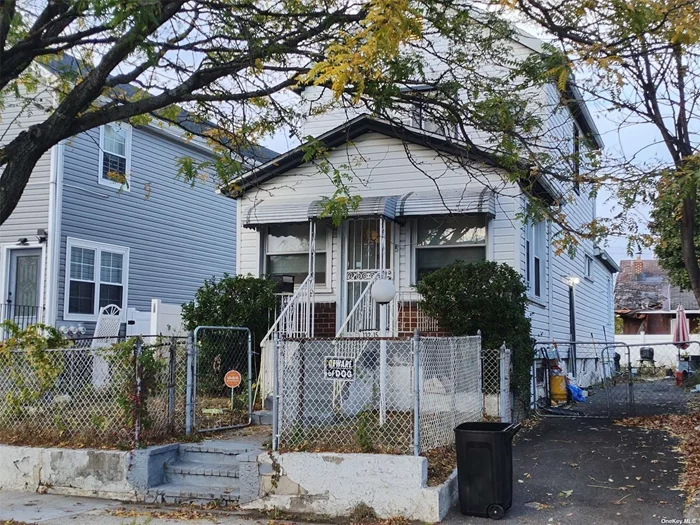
(216, 452)
(262, 417)
(202, 474)
(185, 494)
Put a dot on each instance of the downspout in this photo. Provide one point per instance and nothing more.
(54, 237)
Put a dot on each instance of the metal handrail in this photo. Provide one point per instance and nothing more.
(303, 291)
(359, 303)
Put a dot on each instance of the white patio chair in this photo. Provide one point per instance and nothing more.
(107, 329)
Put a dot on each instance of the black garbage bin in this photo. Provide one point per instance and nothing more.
(485, 468)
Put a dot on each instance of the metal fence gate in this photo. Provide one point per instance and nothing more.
(220, 378)
(620, 380)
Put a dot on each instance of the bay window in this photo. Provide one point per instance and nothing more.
(96, 276)
(287, 251)
(441, 241)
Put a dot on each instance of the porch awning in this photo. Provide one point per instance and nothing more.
(275, 212)
(368, 207)
(463, 201)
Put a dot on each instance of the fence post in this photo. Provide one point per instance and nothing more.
(416, 392)
(171, 385)
(189, 393)
(137, 404)
(630, 385)
(453, 362)
(250, 377)
(480, 375)
(504, 395)
(275, 392)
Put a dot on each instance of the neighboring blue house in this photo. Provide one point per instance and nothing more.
(79, 239)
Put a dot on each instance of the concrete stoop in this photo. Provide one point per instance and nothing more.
(204, 472)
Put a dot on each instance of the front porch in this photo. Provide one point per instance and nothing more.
(333, 267)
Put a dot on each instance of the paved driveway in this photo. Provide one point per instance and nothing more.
(587, 471)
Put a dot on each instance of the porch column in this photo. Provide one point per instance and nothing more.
(310, 300)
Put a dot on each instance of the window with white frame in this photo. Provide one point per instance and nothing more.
(287, 251)
(588, 267)
(535, 251)
(115, 154)
(96, 277)
(441, 241)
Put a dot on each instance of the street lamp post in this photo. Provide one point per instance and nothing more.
(383, 293)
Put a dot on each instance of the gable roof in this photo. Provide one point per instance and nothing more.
(643, 285)
(68, 64)
(360, 125)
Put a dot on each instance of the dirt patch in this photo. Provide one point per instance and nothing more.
(37, 437)
(441, 464)
(183, 513)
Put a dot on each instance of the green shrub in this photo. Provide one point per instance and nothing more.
(486, 296)
(232, 301)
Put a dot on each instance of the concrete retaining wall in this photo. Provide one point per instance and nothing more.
(334, 484)
(122, 475)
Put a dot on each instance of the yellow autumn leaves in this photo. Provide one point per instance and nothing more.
(361, 55)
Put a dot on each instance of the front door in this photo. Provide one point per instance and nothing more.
(23, 286)
(367, 251)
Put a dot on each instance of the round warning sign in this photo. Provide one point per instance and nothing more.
(232, 379)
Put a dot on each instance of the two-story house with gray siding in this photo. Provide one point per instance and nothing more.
(105, 220)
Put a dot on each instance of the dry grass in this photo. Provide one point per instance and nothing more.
(31, 436)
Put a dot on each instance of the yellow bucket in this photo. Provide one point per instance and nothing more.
(558, 388)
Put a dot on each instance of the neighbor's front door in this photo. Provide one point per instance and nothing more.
(24, 286)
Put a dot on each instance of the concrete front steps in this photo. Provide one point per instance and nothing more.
(202, 473)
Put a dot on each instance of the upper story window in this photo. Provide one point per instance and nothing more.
(287, 251)
(115, 155)
(96, 277)
(535, 251)
(441, 241)
(588, 267)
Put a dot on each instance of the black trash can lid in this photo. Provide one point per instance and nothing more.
(485, 426)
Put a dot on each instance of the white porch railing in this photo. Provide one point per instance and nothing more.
(363, 318)
(408, 315)
(295, 320)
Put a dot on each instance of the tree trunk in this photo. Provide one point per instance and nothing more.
(26, 152)
(690, 258)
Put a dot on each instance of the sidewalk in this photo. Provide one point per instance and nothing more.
(49, 509)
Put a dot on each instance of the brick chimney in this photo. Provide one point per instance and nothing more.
(638, 266)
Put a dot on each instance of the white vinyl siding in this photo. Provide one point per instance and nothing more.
(381, 167)
(32, 210)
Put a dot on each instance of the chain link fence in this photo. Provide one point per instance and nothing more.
(375, 394)
(618, 380)
(106, 391)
